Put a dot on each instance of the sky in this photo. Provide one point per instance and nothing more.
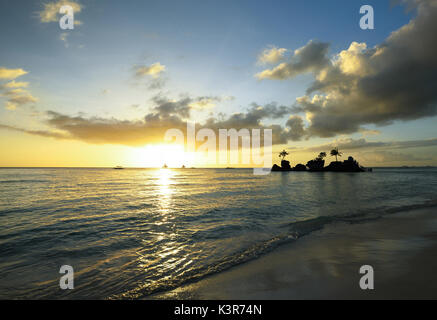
(105, 92)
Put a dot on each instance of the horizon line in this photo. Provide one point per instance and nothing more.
(107, 167)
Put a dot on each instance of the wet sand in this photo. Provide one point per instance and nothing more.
(401, 247)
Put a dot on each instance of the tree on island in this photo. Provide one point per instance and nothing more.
(336, 153)
(283, 154)
(317, 163)
(321, 156)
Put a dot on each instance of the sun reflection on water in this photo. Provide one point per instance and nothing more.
(164, 191)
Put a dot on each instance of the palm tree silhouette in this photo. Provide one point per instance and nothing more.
(335, 152)
(283, 154)
(321, 155)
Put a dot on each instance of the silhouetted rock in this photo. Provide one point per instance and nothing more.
(276, 168)
(300, 167)
(349, 165)
(285, 165)
(316, 165)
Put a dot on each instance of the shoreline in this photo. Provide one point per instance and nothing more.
(325, 264)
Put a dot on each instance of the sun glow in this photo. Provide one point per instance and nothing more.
(156, 156)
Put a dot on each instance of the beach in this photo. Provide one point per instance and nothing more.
(400, 247)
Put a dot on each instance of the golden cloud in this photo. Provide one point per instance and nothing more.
(204, 103)
(9, 74)
(13, 91)
(50, 13)
(153, 70)
(10, 106)
(353, 61)
(13, 85)
(271, 55)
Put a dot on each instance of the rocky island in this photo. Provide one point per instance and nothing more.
(318, 164)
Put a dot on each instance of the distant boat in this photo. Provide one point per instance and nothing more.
(118, 168)
(183, 167)
(165, 166)
(229, 168)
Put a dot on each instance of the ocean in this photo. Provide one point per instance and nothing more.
(135, 232)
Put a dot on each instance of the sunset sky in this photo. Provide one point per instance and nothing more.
(104, 93)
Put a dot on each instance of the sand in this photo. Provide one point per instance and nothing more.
(401, 248)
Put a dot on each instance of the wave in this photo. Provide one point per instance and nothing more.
(294, 231)
(23, 181)
(140, 206)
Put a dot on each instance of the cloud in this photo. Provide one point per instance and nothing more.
(151, 76)
(10, 106)
(169, 113)
(13, 91)
(9, 74)
(13, 85)
(153, 70)
(393, 81)
(112, 131)
(165, 107)
(360, 144)
(368, 132)
(18, 98)
(271, 55)
(204, 103)
(208, 102)
(183, 106)
(253, 118)
(42, 133)
(165, 114)
(296, 129)
(50, 12)
(308, 58)
(270, 110)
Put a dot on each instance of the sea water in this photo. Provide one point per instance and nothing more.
(134, 232)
